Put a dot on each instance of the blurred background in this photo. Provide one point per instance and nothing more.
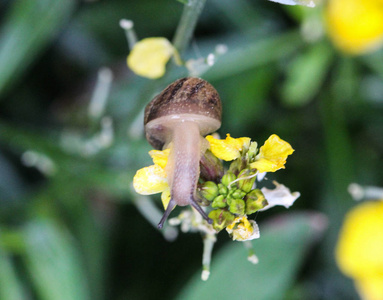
(70, 225)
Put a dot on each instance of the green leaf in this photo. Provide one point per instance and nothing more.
(29, 27)
(280, 250)
(54, 262)
(306, 75)
(10, 285)
(243, 55)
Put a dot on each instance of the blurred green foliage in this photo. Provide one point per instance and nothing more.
(69, 226)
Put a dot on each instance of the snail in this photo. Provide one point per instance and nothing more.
(178, 118)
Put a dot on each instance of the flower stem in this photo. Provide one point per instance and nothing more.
(187, 24)
(208, 244)
(251, 257)
(359, 192)
(130, 33)
(100, 95)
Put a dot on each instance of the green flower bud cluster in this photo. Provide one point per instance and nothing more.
(248, 156)
(233, 196)
(246, 179)
(208, 190)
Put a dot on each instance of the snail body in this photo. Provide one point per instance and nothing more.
(179, 117)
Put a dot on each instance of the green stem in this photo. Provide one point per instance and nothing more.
(251, 257)
(187, 24)
(208, 244)
(339, 169)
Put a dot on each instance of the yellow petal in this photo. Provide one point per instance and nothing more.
(165, 198)
(150, 180)
(229, 148)
(370, 287)
(159, 157)
(149, 57)
(355, 26)
(359, 252)
(272, 155)
(242, 229)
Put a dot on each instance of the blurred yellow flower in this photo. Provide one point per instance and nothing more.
(229, 148)
(149, 57)
(355, 26)
(152, 179)
(243, 230)
(359, 252)
(272, 155)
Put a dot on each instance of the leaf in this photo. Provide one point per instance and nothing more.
(10, 287)
(306, 75)
(280, 250)
(245, 56)
(53, 262)
(29, 27)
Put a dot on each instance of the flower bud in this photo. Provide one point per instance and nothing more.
(237, 206)
(232, 191)
(219, 202)
(238, 194)
(228, 178)
(208, 190)
(253, 149)
(211, 168)
(222, 189)
(221, 218)
(247, 181)
(255, 200)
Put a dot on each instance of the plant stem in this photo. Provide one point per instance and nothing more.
(208, 244)
(339, 168)
(251, 257)
(187, 24)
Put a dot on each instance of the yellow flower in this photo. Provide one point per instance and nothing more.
(160, 157)
(149, 57)
(359, 252)
(243, 230)
(165, 197)
(229, 148)
(152, 179)
(355, 26)
(272, 155)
